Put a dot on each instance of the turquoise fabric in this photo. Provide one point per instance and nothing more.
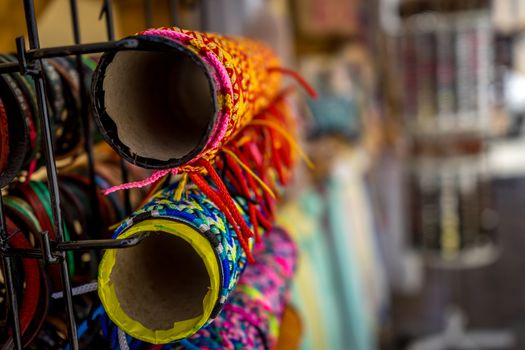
(340, 287)
(314, 293)
(352, 298)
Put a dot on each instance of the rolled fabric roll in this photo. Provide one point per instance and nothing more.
(20, 129)
(179, 95)
(178, 278)
(251, 318)
(252, 315)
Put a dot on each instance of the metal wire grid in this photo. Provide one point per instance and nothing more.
(53, 252)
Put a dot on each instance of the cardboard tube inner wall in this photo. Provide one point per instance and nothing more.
(161, 281)
(160, 101)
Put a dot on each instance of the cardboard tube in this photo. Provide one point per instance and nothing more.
(252, 315)
(176, 280)
(179, 95)
(163, 288)
(156, 105)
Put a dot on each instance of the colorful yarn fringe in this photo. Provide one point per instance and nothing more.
(250, 144)
(252, 315)
(254, 166)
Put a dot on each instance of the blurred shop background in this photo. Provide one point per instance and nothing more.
(411, 226)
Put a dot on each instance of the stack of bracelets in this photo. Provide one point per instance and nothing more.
(28, 212)
(21, 132)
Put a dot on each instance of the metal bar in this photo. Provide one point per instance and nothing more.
(107, 11)
(47, 254)
(98, 244)
(21, 55)
(29, 253)
(148, 13)
(34, 43)
(10, 67)
(94, 244)
(74, 21)
(68, 50)
(8, 274)
(173, 12)
(86, 122)
(34, 54)
(32, 29)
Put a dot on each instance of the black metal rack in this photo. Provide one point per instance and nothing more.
(53, 251)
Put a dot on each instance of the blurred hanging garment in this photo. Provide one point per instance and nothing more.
(340, 259)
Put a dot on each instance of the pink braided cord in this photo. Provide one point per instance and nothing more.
(139, 184)
(244, 314)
